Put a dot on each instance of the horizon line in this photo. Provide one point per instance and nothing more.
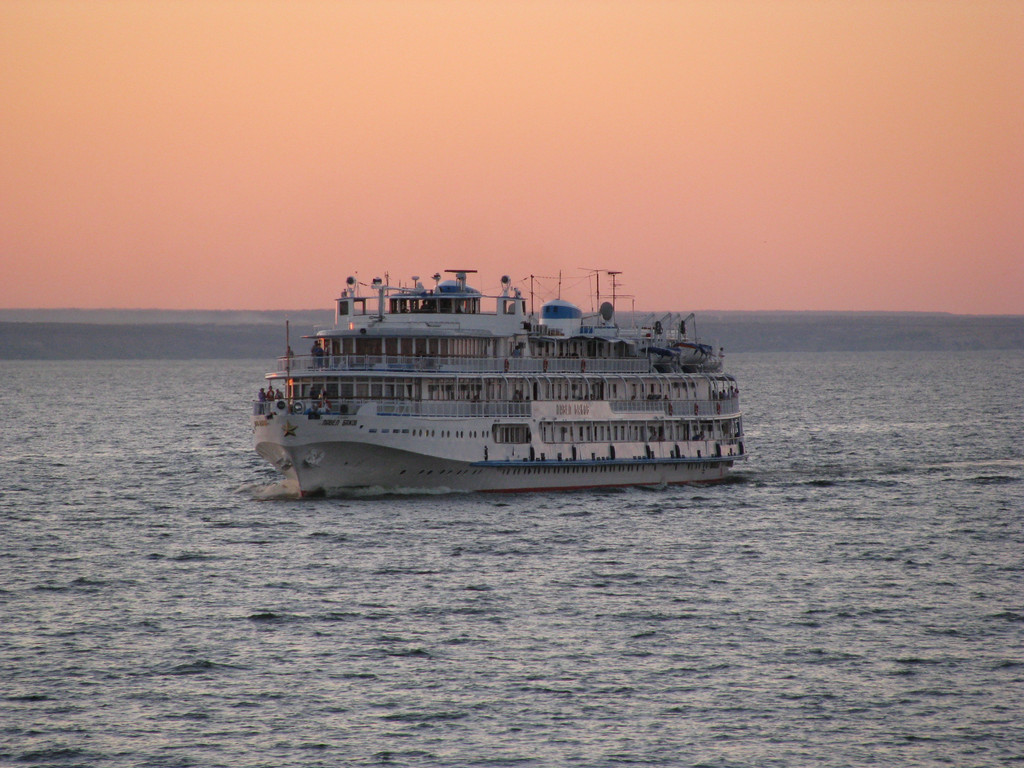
(4, 310)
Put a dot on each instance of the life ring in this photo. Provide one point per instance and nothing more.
(545, 365)
(696, 409)
(718, 406)
(506, 365)
(670, 409)
(297, 407)
(583, 366)
(281, 405)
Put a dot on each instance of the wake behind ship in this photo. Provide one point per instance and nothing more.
(422, 389)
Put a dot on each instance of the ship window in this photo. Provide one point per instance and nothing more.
(511, 433)
(368, 346)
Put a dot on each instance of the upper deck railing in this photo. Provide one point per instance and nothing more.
(424, 364)
(391, 407)
(456, 409)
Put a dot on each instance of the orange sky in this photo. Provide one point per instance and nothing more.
(801, 154)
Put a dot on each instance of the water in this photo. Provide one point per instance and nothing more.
(854, 597)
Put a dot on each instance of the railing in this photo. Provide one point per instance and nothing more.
(679, 407)
(404, 363)
(262, 408)
(460, 409)
(453, 409)
(398, 408)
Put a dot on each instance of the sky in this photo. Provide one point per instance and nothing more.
(729, 155)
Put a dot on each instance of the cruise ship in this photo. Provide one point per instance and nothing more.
(448, 389)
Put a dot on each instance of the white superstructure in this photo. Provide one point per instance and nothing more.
(417, 388)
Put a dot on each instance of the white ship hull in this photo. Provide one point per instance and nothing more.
(334, 454)
(351, 466)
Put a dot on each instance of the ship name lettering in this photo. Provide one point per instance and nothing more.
(572, 409)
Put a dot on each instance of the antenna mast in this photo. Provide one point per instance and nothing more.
(288, 351)
(613, 273)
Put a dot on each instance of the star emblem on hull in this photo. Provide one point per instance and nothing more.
(289, 429)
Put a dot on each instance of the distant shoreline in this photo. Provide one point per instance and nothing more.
(163, 334)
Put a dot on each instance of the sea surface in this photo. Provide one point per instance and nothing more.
(854, 597)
